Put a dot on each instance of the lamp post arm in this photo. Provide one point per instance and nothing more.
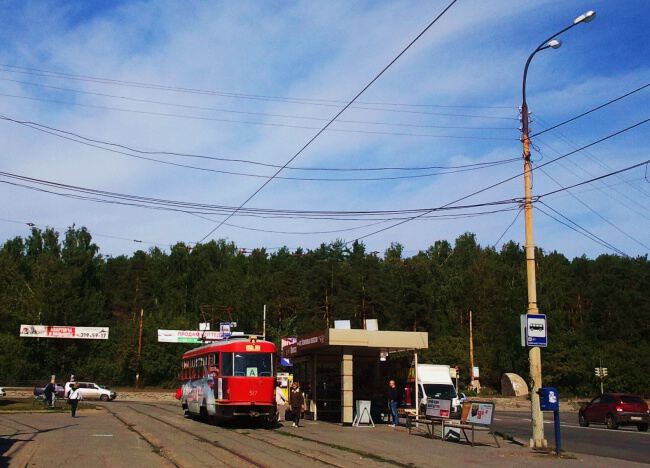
(542, 46)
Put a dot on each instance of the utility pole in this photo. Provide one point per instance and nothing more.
(137, 375)
(471, 352)
(264, 323)
(535, 355)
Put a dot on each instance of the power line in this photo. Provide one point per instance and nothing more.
(508, 228)
(501, 182)
(333, 118)
(620, 171)
(32, 124)
(592, 157)
(94, 234)
(91, 143)
(293, 100)
(253, 122)
(583, 203)
(260, 114)
(591, 110)
(120, 198)
(583, 230)
(612, 187)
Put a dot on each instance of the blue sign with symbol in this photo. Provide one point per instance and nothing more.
(549, 399)
(536, 330)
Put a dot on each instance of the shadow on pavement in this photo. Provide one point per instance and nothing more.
(8, 440)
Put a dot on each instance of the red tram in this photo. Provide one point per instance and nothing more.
(230, 379)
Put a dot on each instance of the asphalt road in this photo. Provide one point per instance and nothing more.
(624, 443)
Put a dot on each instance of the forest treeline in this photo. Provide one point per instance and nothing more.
(598, 309)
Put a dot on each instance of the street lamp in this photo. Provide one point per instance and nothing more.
(534, 356)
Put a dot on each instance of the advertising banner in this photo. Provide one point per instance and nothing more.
(438, 408)
(477, 412)
(188, 336)
(55, 331)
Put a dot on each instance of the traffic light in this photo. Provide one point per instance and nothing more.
(604, 371)
(597, 371)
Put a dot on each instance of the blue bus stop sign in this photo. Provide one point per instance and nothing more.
(536, 330)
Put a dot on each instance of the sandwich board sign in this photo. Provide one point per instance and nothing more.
(536, 330)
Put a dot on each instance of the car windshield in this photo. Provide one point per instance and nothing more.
(442, 391)
(253, 364)
(631, 399)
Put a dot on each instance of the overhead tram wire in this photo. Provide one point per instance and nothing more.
(293, 100)
(325, 127)
(262, 114)
(55, 132)
(585, 230)
(594, 109)
(90, 142)
(597, 213)
(503, 181)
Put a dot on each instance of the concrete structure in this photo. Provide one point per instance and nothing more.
(329, 362)
(513, 385)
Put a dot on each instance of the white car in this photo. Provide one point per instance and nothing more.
(92, 391)
(2, 392)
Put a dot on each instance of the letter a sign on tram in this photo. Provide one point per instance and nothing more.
(536, 330)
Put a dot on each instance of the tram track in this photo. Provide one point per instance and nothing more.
(198, 437)
(154, 447)
(293, 449)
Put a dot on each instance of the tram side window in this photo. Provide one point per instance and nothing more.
(226, 364)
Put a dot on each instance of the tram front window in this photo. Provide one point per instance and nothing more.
(253, 364)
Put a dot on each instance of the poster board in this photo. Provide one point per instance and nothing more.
(437, 408)
(57, 331)
(479, 413)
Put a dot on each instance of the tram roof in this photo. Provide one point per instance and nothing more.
(231, 345)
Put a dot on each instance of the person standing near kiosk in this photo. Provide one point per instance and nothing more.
(297, 403)
(394, 396)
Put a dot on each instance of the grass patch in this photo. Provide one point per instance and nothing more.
(30, 404)
(343, 448)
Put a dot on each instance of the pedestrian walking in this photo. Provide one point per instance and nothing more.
(74, 397)
(394, 396)
(281, 402)
(297, 403)
(48, 392)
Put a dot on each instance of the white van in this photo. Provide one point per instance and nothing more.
(434, 381)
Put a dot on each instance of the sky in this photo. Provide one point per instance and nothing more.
(235, 89)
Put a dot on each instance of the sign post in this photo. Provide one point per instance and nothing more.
(549, 400)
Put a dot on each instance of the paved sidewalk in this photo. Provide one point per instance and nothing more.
(94, 438)
(395, 444)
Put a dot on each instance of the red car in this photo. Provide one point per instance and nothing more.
(614, 410)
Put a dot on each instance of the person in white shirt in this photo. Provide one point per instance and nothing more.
(281, 402)
(74, 397)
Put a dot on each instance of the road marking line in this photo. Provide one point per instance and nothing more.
(102, 435)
